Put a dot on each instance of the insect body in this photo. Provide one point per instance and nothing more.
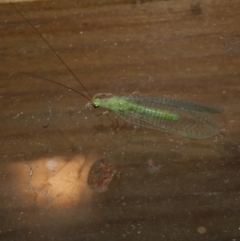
(181, 117)
(129, 104)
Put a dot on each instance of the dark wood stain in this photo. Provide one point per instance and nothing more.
(196, 9)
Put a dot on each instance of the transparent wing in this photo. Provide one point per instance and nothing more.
(193, 119)
(175, 103)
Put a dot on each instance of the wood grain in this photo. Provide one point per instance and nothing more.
(166, 187)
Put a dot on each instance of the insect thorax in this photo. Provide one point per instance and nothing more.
(114, 103)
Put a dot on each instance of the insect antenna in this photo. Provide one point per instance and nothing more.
(58, 56)
(55, 82)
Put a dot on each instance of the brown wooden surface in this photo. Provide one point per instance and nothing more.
(167, 187)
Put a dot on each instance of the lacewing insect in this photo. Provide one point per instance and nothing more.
(175, 116)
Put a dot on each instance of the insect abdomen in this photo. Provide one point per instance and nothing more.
(155, 112)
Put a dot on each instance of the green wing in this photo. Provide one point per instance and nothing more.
(193, 119)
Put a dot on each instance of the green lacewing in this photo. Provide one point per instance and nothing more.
(175, 116)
